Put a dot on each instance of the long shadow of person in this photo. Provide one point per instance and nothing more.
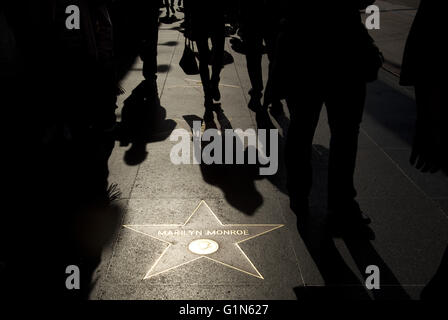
(142, 121)
(237, 181)
(364, 255)
(421, 69)
(340, 281)
(273, 144)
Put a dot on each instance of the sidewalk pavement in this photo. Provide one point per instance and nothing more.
(396, 21)
(408, 209)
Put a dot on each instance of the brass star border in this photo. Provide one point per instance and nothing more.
(203, 220)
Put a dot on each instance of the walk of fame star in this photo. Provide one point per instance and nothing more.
(203, 236)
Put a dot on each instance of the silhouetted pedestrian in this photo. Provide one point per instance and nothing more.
(205, 20)
(332, 70)
(424, 67)
(136, 28)
(260, 21)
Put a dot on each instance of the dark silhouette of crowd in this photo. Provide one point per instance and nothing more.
(61, 89)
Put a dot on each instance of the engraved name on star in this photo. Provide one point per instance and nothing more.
(203, 236)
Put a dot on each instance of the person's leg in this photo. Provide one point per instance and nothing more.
(345, 105)
(254, 46)
(149, 51)
(304, 110)
(204, 57)
(270, 40)
(218, 41)
(429, 150)
(167, 7)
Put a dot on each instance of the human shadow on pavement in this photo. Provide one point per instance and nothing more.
(226, 59)
(163, 68)
(264, 121)
(340, 282)
(237, 181)
(169, 43)
(143, 121)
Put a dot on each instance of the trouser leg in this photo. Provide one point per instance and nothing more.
(254, 46)
(149, 50)
(218, 40)
(345, 105)
(204, 57)
(304, 112)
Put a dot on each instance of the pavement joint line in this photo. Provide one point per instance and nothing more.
(290, 239)
(109, 263)
(390, 71)
(170, 63)
(406, 175)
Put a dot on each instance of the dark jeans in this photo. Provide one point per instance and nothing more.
(253, 38)
(217, 52)
(344, 100)
(150, 37)
(136, 28)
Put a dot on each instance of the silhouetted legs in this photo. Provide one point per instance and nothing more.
(304, 115)
(344, 102)
(253, 39)
(345, 105)
(211, 84)
(150, 36)
(169, 5)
